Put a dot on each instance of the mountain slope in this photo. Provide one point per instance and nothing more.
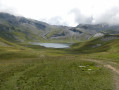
(105, 28)
(14, 28)
(107, 43)
(20, 29)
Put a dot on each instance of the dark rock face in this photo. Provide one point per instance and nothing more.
(23, 20)
(40, 26)
(75, 30)
(59, 35)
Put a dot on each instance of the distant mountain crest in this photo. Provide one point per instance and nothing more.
(15, 28)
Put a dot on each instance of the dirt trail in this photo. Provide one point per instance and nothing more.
(113, 69)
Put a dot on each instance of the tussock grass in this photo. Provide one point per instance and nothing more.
(56, 73)
(30, 67)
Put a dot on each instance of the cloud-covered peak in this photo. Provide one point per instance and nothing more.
(65, 12)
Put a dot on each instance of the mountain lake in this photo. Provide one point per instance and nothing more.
(53, 45)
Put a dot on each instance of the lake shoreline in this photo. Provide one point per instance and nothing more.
(53, 45)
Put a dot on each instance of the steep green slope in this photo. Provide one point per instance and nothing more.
(10, 50)
(107, 43)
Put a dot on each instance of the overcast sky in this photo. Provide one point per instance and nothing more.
(65, 12)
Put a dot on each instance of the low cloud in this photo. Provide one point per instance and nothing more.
(109, 17)
(80, 18)
(74, 17)
(57, 20)
(4, 8)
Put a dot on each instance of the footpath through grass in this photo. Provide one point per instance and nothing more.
(38, 68)
(54, 73)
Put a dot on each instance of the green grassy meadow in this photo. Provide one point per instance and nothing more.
(53, 73)
(32, 67)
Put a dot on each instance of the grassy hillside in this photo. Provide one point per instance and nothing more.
(30, 67)
(107, 43)
(105, 48)
(10, 50)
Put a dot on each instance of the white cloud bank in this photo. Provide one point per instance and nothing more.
(65, 12)
(110, 17)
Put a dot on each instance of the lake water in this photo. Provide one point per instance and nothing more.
(53, 45)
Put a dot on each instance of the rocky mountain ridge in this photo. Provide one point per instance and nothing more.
(21, 29)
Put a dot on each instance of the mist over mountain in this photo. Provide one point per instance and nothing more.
(21, 29)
